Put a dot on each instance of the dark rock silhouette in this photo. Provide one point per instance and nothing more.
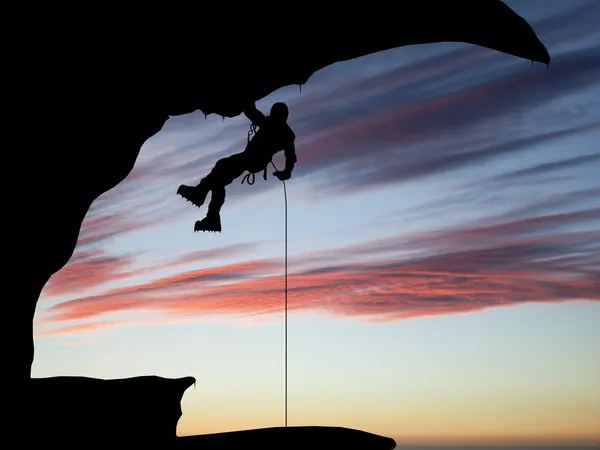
(85, 89)
(289, 438)
(141, 411)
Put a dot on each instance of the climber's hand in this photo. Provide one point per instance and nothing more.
(282, 175)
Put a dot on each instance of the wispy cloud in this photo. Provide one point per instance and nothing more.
(97, 228)
(92, 268)
(86, 270)
(80, 328)
(179, 285)
(214, 254)
(536, 259)
(411, 139)
(526, 174)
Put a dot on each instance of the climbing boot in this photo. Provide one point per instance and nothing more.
(209, 223)
(194, 194)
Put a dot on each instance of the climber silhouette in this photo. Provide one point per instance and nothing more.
(273, 135)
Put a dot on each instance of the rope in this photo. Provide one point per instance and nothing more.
(250, 178)
(285, 297)
(251, 131)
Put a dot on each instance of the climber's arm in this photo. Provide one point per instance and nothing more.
(290, 158)
(290, 161)
(255, 116)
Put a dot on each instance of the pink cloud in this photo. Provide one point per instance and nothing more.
(181, 285)
(79, 328)
(85, 270)
(507, 264)
(97, 228)
(91, 268)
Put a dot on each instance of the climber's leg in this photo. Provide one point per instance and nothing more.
(195, 194)
(212, 221)
(217, 199)
(223, 173)
(226, 170)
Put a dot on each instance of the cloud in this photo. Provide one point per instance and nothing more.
(520, 206)
(544, 258)
(85, 270)
(574, 20)
(526, 174)
(79, 328)
(214, 254)
(92, 268)
(76, 343)
(361, 176)
(91, 265)
(143, 296)
(404, 140)
(98, 228)
(515, 225)
(45, 328)
(551, 167)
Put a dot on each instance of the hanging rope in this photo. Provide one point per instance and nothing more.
(250, 178)
(285, 295)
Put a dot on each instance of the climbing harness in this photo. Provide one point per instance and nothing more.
(249, 178)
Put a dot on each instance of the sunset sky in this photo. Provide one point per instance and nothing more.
(444, 253)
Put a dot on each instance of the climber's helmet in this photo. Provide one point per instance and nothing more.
(279, 111)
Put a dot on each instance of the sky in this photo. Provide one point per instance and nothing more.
(444, 253)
